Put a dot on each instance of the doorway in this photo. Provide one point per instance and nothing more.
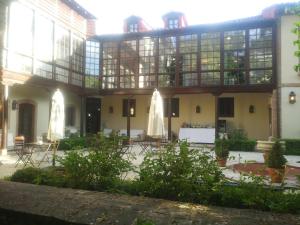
(26, 121)
(93, 115)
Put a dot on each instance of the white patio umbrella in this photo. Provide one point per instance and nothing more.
(56, 129)
(156, 116)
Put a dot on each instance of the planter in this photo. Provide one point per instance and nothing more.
(265, 147)
(222, 161)
(276, 175)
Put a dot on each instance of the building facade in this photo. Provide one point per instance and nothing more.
(232, 75)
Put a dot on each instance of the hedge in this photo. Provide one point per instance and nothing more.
(72, 143)
(242, 145)
(292, 146)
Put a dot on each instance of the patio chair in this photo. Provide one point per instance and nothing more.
(24, 154)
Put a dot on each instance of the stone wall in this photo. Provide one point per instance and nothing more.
(67, 206)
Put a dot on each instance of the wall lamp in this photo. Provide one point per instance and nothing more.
(292, 97)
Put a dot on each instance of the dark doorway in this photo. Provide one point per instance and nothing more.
(26, 121)
(93, 115)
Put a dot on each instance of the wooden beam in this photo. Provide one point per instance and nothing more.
(169, 118)
(128, 117)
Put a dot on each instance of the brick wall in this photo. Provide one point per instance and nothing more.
(3, 4)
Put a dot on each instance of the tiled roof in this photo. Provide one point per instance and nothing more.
(79, 9)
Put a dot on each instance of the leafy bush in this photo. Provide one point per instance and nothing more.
(222, 148)
(102, 167)
(238, 141)
(292, 146)
(256, 195)
(72, 143)
(26, 175)
(276, 159)
(52, 176)
(179, 174)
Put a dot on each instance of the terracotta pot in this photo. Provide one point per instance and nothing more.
(276, 175)
(222, 161)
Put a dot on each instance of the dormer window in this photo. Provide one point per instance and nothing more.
(173, 23)
(133, 27)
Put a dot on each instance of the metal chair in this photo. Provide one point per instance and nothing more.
(24, 154)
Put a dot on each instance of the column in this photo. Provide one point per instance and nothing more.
(169, 119)
(4, 98)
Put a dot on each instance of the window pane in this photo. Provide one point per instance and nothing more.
(77, 54)
(62, 42)
(260, 76)
(132, 107)
(19, 63)
(147, 52)
(167, 61)
(43, 69)
(20, 29)
(62, 75)
(210, 78)
(109, 67)
(43, 39)
(128, 63)
(234, 77)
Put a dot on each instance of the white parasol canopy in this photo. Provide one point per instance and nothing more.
(56, 130)
(156, 116)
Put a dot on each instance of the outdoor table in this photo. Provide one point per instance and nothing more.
(197, 135)
(45, 148)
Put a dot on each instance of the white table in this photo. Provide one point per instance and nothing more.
(197, 135)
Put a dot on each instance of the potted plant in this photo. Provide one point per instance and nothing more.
(222, 151)
(276, 163)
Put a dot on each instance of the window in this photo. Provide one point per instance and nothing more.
(20, 29)
(62, 41)
(234, 57)
(210, 58)
(173, 23)
(226, 107)
(133, 27)
(188, 60)
(147, 52)
(92, 68)
(128, 63)
(70, 116)
(167, 61)
(77, 54)
(43, 39)
(260, 44)
(110, 62)
(132, 106)
(174, 107)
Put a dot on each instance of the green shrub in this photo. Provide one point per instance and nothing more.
(238, 141)
(179, 174)
(222, 148)
(292, 146)
(72, 143)
(102, 167)
(47, 176)
(26, 175)
(276, 159)
(254, 194)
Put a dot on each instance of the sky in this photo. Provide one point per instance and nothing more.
(111, 13)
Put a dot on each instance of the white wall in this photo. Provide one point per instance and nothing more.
(289, 80)
(41, 97)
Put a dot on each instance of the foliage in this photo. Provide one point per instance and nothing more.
(144, 222)
(179, 174)
(276, 158)
(72, 143)
(102, 167)
(222, 148)
(238, 141)
(295, 9)
(47, 176)
(251, 192)
(292, 146)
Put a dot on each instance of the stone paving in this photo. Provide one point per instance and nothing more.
(7, 166)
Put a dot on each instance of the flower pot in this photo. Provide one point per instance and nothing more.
(265, 147)
(276, 175)
(222, 161)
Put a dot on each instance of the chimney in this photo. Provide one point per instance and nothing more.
(174, 20)
(270, 12)
(135, 24)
